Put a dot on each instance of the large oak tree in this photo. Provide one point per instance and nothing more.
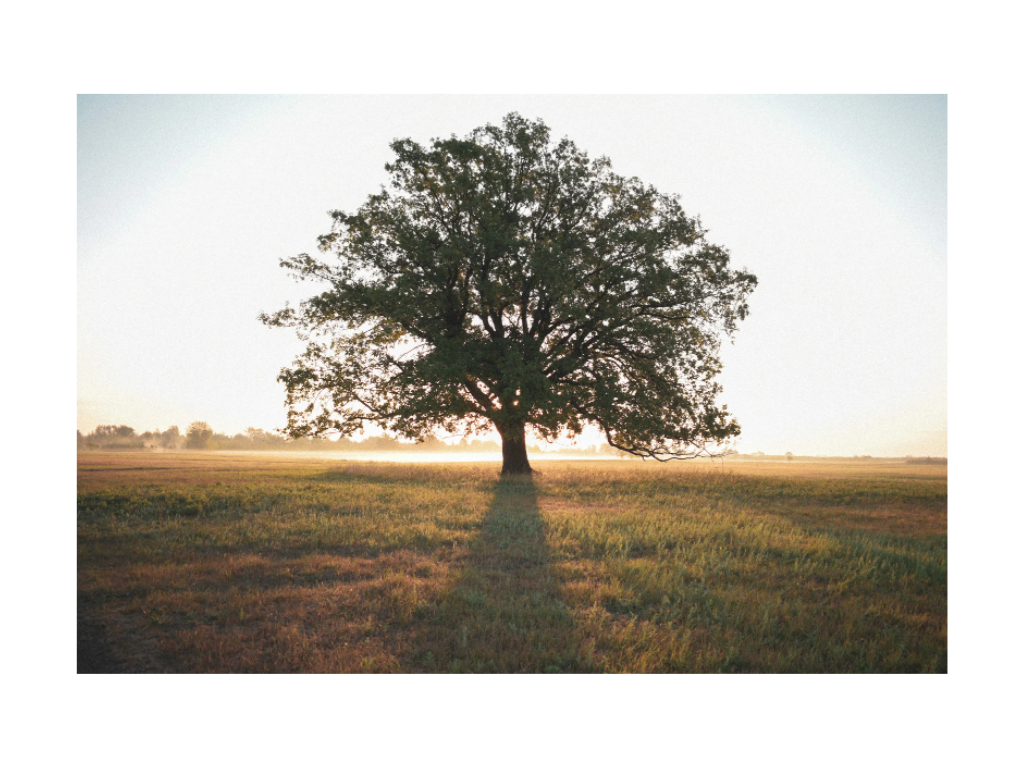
(509, 281)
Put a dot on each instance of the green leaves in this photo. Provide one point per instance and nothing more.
(504, 279)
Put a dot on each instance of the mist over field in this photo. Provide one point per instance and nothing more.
(377, 448)
(200, 436)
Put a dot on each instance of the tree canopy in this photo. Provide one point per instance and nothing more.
(507, 280)
(198, 435)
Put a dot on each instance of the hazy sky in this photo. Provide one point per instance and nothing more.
(837, 204)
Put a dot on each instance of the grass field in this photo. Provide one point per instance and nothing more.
(240, 563)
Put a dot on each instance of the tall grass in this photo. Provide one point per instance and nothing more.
(246, 564)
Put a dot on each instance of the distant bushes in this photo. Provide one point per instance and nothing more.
(200, 436)
(111, 438)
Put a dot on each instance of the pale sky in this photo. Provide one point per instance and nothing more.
(837, 204)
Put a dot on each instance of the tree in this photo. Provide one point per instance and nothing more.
(507, 280)
(257, 437)
(198, 435)
(170, 438)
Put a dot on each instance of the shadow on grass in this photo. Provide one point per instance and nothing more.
(505, 612)
(95, 653)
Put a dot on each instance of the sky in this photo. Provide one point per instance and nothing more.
(186, 204)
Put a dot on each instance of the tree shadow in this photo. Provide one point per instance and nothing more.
(95, 652)
(505, 612)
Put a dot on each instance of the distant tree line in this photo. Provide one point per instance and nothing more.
(201, 437)
(789, 456)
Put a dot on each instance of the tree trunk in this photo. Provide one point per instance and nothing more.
(513, 451)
